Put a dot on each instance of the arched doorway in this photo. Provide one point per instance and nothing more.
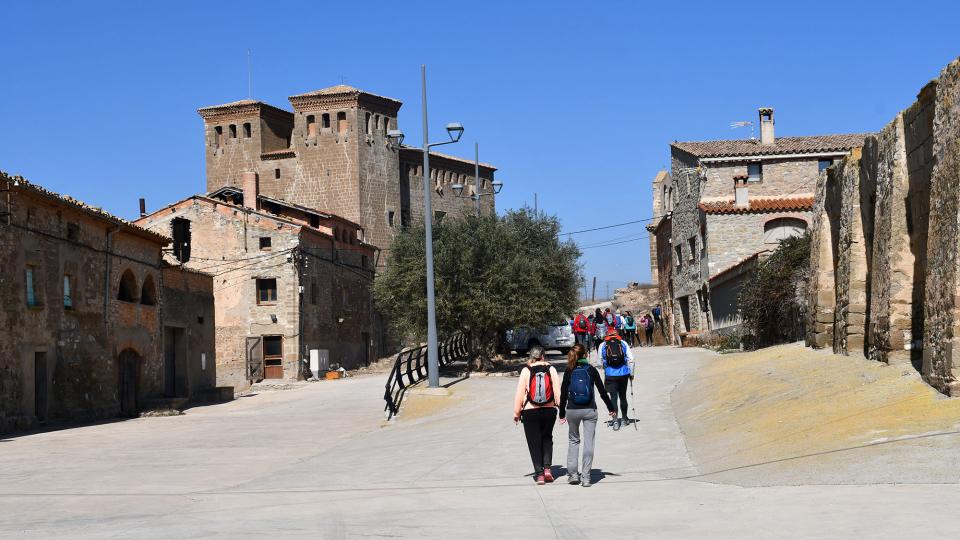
(129, 363)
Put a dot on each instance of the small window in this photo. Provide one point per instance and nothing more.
(438, 215)
(127, 292)
(218, 139)
(366, 128)
(276, 174)
(311, 126)
(679, 257)
(390, 215)
(247, 131)
(386, 125)
(233, 131)
(180, 229)
(73, 232)
(67, 291)
(341, 122)
(376, 121)
(692, 243)
(266, 291)
(33, 296)
(754, 172)
(148, 294)
(314, 293)
(822, 164)
(364, 262)
(315, 222)
(265, 243)
(325, 119)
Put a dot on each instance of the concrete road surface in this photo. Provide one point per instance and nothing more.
(317, 462)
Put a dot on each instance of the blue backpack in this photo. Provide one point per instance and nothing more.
(581, 386)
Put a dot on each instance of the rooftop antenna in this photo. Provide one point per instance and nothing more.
(249, 77)
(743, 123)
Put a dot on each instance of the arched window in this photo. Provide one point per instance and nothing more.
(779, 229)
(341, 122)
(128, 287)
(664, 206)
(148, 294)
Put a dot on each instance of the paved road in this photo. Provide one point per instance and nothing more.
(317, 462)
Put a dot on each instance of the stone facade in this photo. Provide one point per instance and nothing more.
(189, 333)
(332, 154)
(84, 308)
(731, 200)
(284, 276)
(888, 235)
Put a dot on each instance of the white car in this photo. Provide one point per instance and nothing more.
(554, 337)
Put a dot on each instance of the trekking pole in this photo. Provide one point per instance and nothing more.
(633, 406)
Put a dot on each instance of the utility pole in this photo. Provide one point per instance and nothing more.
(534, 203)
(593, 295)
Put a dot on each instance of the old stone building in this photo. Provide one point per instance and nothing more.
(884, 250)
(290, 283)
(661, 261)
(730, 200)
(84, 332)
(332, 154)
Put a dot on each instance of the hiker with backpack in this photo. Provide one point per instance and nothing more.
(581, 329)
(535, 405)
(648, 329)
(578, 407)
(630, 328)
(617, 359)
(599, 329)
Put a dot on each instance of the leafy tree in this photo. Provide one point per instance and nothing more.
(492, 273)
(772, 301)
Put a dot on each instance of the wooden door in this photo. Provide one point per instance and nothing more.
(273, 357)
(255, 359)
(129, 382)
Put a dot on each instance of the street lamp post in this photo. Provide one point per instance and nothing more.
(454, 131)
(458, 188)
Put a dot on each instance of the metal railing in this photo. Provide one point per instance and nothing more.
(411, 368)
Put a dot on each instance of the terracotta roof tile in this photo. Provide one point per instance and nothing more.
(340, 89)
(26, 185)
(765, 204)
(782, 145)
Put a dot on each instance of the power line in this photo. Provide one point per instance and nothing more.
(612, 226)
(615, 243)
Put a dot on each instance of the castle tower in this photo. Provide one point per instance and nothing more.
(237, 134)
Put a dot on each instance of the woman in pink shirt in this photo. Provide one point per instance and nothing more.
(535, 405)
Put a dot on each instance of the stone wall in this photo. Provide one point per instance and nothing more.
(188, 304)
(77, 338)
(734, 237)
(686, 220)
(892, 216)
(780, 177)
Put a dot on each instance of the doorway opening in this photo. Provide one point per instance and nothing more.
(129, 382)
(40, 398)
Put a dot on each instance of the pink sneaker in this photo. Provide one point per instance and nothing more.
(540, 480)
(548, 475)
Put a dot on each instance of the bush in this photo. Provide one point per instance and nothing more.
(772, 302)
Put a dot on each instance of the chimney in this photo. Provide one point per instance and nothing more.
(741, 198)
(143, 207)
(766, 125)
(251, 190)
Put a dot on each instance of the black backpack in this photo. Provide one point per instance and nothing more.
(615, 357)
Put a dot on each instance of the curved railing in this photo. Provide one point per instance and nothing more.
(411, 368)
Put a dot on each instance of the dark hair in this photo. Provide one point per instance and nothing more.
(576, 352)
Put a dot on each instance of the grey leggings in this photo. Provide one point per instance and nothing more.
(589, 419)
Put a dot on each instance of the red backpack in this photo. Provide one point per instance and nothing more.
(540, 389)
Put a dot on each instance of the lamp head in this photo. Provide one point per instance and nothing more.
(455, 130)
(497, 186)
(396, 136)
(457, 189)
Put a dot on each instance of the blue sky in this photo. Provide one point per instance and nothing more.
(574, 101)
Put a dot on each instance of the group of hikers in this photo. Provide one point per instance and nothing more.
(542, 397)
(591, 330)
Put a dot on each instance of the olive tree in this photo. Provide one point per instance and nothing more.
(492, 273)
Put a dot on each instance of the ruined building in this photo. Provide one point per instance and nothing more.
(728, 201)
(884, 280)
(332, 154)
(291, 283)
(94, 325)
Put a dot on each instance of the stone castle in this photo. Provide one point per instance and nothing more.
(332, 154)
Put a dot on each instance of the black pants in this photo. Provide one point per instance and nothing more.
(617, 388)
(649, 333)
(538, 427)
